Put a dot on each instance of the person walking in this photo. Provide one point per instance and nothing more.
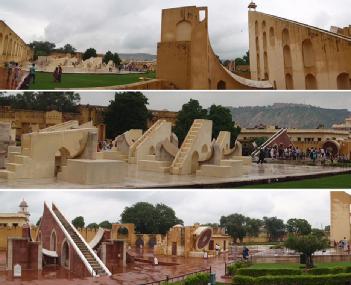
(55, 74)
(261, 157)
(59, 74)
(32, 74)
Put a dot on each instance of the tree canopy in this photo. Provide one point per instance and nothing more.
(275, 228)
(239, 226)
(298, 227)
(93, 226)
(68, 48)
(307, 245)
(127, 111)
(111, 56)
(90, 52)
(42, 101)
(78, 222)
(42, 48)
(105, 225)
(221, 117)
(150, 219)
(245, 60)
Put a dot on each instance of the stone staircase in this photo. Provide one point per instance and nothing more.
(185, 149)
(144, 137)
(18, 165)
(269, 141)
(87, 252)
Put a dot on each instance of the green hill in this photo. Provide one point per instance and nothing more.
(288, 116)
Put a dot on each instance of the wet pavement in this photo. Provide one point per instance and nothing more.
(130, 177)
(133, 274)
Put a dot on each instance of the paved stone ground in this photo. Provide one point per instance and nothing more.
(133, 178)
(133, 274)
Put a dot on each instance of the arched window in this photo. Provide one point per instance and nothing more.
(307, 53)
(310, 82)
(285, 37)
(183, 31)
(65, 255)
(343, 81)
(1, 42)
(256, 28)
(272, 37)
(287, 57)
(289, 81)
(264, 41)
(221, 85)
(53, 241)
(263, 25)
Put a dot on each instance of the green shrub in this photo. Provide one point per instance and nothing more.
(326, 271)
(233, 268)
(264, 272)
(338, 279)
(197, 279)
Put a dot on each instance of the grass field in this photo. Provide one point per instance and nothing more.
(338, 181)
(44, 80)
(297, 266)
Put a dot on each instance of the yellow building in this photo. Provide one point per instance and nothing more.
(12, 47)
(294, 55)
(15, 219)
(340, 226)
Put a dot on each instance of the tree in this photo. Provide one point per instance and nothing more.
(116, 59)
(69, 49)
(190, 111)
(105, 225)
(149, 219)
(260, 141)
(222, 121)
(107, 57)
(319, 233)
(42, 101)
(127, 111)
(245, 60)
(90, 52)
(275, 228)
(235, 226)
(78, 222)
(253, 227)
(38, 222)
(166, 218)
(298, 227)
(41, 48)
(93, 226)
(307, 245)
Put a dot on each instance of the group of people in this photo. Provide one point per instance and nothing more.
(105, 146)
(58, 74)
(294, 153)
(343, 245)
(13, 74)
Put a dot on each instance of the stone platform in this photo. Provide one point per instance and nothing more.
(134, 178)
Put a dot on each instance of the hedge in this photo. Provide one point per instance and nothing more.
(336, 279)
(196, 279)
(263, 272)
(233, 268)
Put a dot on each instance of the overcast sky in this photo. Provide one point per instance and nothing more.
(173, 101)
(134, 25)
(191, 206)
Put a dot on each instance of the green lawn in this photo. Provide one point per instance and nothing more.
(338, 181)
(297, 266)
(44, 80)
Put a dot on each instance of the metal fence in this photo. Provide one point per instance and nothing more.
(178, 278)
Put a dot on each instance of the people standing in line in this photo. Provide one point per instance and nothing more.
(32, 74)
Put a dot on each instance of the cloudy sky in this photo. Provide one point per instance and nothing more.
(134, 25)
(191, 206)
(173, 101)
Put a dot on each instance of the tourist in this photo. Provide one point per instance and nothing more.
(218, 249)
(59, 74)
(261, 157)
(16, 75)
(155, 260)
(246, 253)
(32, 74)
(55, 74)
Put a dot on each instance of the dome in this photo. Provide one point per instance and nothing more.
(23, 204)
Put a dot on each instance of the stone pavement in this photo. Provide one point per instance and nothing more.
(133, 178)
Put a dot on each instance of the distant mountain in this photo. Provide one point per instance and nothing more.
(288, 116)
(137, 56)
